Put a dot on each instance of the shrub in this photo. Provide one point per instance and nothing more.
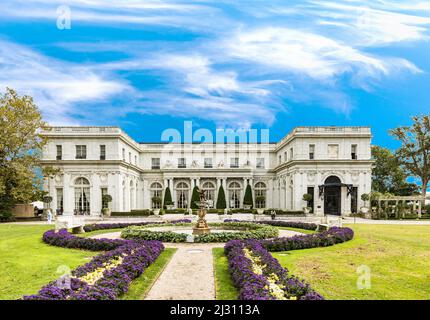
(137, 233)
(167, 198)
(133, 213)
(195, 198)
(247, 199)
(220, 202)
(285, 212)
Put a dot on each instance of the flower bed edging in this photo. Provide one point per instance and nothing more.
(259, 276)
(106, 276)
(330, 237)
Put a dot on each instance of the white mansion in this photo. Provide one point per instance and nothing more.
(331, 163)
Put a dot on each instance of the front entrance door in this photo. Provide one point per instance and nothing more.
(332, 200)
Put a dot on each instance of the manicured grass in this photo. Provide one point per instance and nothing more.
(27, 263)
(140, 286)
(225, 290)
(398, 258)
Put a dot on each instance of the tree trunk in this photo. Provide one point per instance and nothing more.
(424, 184)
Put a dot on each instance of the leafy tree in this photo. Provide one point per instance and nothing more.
(220, 202)
(20, 151)
(247, 199)
(414, 153)
(195, 198)
(388, 174)
(167, 198)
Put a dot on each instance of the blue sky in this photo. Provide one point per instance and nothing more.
(150, 65)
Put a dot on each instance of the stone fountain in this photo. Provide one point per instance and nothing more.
(201, 226)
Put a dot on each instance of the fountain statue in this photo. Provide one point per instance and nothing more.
(201, 226)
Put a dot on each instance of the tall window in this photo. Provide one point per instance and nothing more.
(291, 153)
(280, 159)
(234, 163)
(234, 190)
(60, 201)
(59, 152)
(208, 162)
(310, 204)
(155, 163)
(81, 152)
(182, 163)
(260, 163)
(260, 195)
(311, 151)
(82, 196)
(182, 190)
(102, 152)
(285, 156)
(354, 152)
(156, 193)
(135, 160)
(209, 189)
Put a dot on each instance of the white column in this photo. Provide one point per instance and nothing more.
(69, 196)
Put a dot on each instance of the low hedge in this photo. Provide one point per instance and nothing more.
(327, 238)
(288, 224)
(132, 213)
(105, 226)
(135, 233)
(284, 212)
(241, 210)
(248, 231)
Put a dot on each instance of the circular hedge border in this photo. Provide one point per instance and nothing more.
(249, 231)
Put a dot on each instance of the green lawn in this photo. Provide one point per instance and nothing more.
(27, 263)
(225, 289)
(398, 258)
(140, 286)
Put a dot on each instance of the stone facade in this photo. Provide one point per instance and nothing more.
(331, 163)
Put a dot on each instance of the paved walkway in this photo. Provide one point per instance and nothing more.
(189, 275)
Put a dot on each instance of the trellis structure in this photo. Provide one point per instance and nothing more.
(415, 200)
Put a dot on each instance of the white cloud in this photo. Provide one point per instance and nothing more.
(307, 53)
(55, 85)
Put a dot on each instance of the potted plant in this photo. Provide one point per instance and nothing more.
(106, 198)
(308, 198)
(365, 197)
(47, 205)
(156, 201)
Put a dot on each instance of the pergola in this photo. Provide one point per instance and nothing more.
(416, 203)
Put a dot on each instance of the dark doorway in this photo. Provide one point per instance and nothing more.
(354, 196)
(332, 196)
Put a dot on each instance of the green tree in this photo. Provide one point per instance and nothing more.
(414, 153)
(220, 201)
(167, 198)
(247, 199)
(195, 198)
(388, 174)
(20, 151)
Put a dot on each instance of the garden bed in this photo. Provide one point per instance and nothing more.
(106, 277)
(246, 230)
(259, 276)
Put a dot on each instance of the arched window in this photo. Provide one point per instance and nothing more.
(234, 190)
(182, 191)
(209, 189)
(332, 180)
(156, 193)
(260, 195)
(82, 196)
